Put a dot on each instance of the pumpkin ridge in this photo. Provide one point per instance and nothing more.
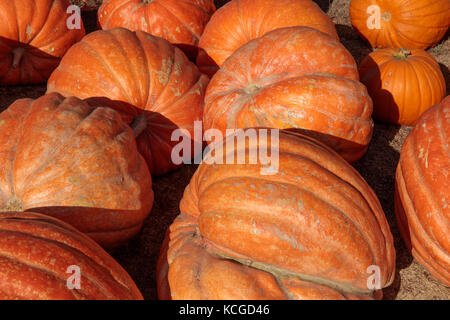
(413, 221)
(109, 69)
(183, 24)
(45, 21)
(64, 229)
(40, 268)
(418, 175)
(280, 273)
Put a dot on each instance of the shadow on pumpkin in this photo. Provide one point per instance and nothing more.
(353, 43)
(111, 228)
(385, 109)
(153, 134)
(21, 63)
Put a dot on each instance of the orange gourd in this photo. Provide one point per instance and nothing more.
(33, 38)
(78, 163)
(285, 79)
(408, 24)
(422, 197)
(180, 22)
(41, 256)
(310, 230)
(402, 83)
(143, 77)
(240, 21)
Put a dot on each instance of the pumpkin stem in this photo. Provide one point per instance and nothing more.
(402, 54)
(139, 124)
(147, 1)
(17, 56)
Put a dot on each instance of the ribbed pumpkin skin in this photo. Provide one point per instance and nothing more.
(36, 251)
(408, 24)
(33, 38)
(181, 22)
(285, 80)
(144, 76)
(310, 231)
(402, 89)
(422, 203)
(240, 21)
(75, 162)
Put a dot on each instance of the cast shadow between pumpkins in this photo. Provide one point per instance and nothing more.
(378, 168)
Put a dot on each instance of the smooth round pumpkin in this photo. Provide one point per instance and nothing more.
(410, 23)
(78, 163)
(285, 80)
(141, 76)
(180, 22)
(403, 83)
(33, 38)
(310, 230)
(240, 21)
(422, 198)
(39, 254)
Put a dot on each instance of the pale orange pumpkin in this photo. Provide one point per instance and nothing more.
(285, 79)
(408, 23)
(240, 21)
(422, 198)
(311, 230)
(403, 83)
(142, 76)
(78, 163)
(40, 258)
(33, 38)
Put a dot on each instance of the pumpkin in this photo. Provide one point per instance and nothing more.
(285, 80)
(33, 38)
(402, 83)
(40, 254)
(311, 230)
(180, 22)
(78, 163)
(240, 21)
(141, 76)
(409, 23)
(422, 197)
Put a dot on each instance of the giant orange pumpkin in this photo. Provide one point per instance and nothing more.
(179, 22)
(240, 21)
(313, 229)
(144, 77)
(40, 257)
(402, 83)
(286, 79)
(75, 162)
(408, 23)
(422, 202)
(33, 38)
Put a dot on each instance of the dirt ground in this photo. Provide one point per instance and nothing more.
(139, 256)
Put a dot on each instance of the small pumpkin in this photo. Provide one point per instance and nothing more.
(403, 83)
(180, 22)
(408, 24)
(39, 254)
(285, 80)
(422, 198)
(310, 230)
(240, 21)
(141, 76)
(33, 38)
(67, 159)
